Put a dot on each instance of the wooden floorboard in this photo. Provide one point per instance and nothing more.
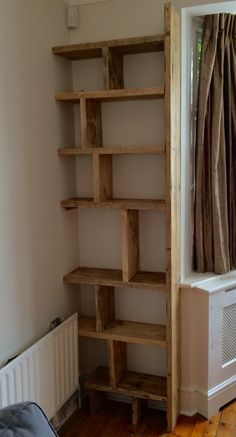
(227, 424)
(114, 420)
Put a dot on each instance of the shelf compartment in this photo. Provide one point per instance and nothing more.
(124, 331)
(93, 276)
(129, 150)
(136, 204)
(139, 385)
(125, 46)
(112, 95)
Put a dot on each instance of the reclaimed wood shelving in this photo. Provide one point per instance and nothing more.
(117, 333)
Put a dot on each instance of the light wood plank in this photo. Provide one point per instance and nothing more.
(136, 384)
(136, 204)
(125, 331)
(112, 95)
(125, 46)
(172, 139)
(73, 151)
(85, 275)
(117, 358)
(105, 306)
(102, 177)
(227, 423)
(113, 69)
(130, 243)
(206, 428)
(184, 428)
(83, 123)
(94, 124)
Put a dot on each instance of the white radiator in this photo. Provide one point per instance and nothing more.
(46, 373)
(208, 363)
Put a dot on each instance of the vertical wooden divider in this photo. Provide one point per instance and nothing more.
(102, 177)
(172, 140)
(96, 400)
(113, 70)
(138, 407)
(105, 306)
(83, 123)
(94, 123)
(91, 123)
(130, 243)
(117, 358)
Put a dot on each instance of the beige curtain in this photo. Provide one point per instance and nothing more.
(215, 202)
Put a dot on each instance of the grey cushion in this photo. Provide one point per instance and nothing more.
(24, 420)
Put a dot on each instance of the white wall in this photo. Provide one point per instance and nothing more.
(132, 123)
(123, 18)
(125, 123)
(38, 240)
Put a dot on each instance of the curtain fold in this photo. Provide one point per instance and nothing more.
(215, 156)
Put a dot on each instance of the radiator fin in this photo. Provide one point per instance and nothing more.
(46, 373)
(229, 335)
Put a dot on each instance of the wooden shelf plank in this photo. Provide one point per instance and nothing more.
(125, 46)
(85, 275)
(112, 95)
(128, 332)
(129, 150)
(140, 385)
(147, 204)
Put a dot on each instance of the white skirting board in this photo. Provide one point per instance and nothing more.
(46, 373)
(207, 403)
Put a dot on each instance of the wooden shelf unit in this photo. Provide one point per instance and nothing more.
(116, 378)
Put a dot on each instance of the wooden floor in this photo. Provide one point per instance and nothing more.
(113, 420)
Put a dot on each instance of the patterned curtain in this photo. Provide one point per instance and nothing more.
(215, 196)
